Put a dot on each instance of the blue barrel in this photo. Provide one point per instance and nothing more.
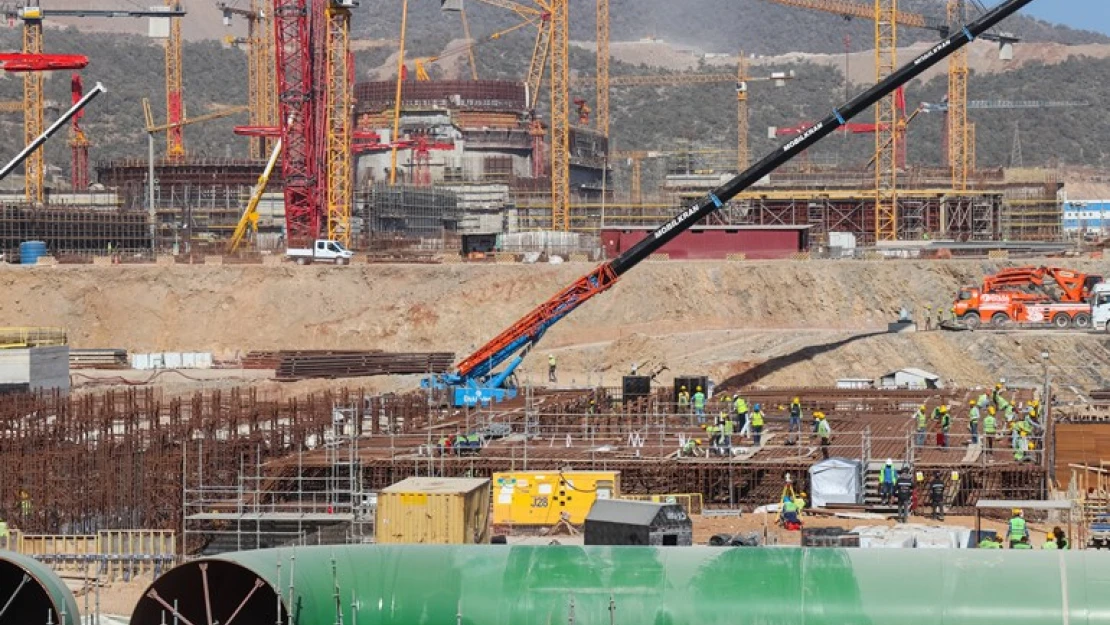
(31, 251)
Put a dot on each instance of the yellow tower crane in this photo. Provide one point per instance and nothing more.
(261, 67)
(602, 108)
(339, 107)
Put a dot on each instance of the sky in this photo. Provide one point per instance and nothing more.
(1086, 14)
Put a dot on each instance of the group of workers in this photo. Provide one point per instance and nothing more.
(1017, 534)
(897, 487)
(736, 418)
(994, 413)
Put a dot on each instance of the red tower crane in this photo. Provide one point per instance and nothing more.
(296, 53)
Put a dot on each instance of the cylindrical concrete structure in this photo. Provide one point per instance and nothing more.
(31, 593)
(493, 585)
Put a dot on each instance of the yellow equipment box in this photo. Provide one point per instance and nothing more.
(540, 497)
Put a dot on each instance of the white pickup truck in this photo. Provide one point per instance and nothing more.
(1100, 307)
(322, 251)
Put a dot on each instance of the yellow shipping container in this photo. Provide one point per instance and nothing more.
(434, 510)
(540, 497)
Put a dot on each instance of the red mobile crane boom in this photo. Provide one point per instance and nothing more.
(474, 379)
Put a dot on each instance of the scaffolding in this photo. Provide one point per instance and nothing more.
(74, 230)
(404, 213)
(262, 505)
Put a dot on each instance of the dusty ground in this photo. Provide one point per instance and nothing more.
(776, 323)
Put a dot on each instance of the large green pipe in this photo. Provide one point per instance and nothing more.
(32, 594)
(494, 585)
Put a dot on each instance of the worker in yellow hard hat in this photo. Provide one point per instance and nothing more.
(683, 400)
(691, 447)
(940, 413)
(795, 415)
(921, 426)
(824, 432)
(973, 421)
(699, 404)
(1017, 530)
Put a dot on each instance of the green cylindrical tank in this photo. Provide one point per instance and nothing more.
(496, 585)
(33, 593)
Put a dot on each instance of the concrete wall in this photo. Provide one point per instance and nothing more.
(40, 368)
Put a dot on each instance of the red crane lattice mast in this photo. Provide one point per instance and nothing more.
(300, 161)
(79, 141)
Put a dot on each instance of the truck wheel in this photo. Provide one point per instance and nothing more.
(1082, 321)
(1061, 321)
(971, 320)
(342, 261)
(302, 261)
(1000, 320)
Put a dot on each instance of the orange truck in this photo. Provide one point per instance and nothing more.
(1029, 296)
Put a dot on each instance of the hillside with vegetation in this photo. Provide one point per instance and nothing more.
(131, 67)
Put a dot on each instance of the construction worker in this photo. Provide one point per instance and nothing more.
(990, 541)
(990, 428)
(983, 401)
(683, 400)
(824, 432)
(714, 444)
(1022, 445)
(903, 488)
(757, 424)
(940, 413)
(921, 425)
(887, 477)
(1060, 537)
(25, 508)
(726, 432)
(790, 514)
(1017, 530)
(936, 496)
(1022, 544)
(940, 316)
(1050, 542)
(973, 421)
(591, 409)
(4, 534)
(996, 396)
(551, 367)
(801, 501)
(741, 405)
(691, 447)
(699, 405)
(928, 317)
(795, 415)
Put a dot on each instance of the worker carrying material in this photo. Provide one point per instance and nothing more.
(691, 447)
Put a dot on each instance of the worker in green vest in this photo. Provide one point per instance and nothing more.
(1050, 542)
(921, 425)
(24, 503)
(711, 432)
(824, 432)
(551, 367)
(973, 421)
(990, 428)
(1022, 544)
(801, 501)
(757, 424)
(990, 541)
(683, 400)
(726, 434)
(691, 447)
(1018, 529)
(699, 405)
(1022, 445)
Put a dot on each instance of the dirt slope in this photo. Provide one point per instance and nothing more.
(720, 317)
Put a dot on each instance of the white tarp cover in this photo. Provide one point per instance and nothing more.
(835, 480)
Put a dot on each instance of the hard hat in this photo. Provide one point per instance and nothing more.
(818, 415)
(797, 400)
(944, 408)
(758, 406)
(699, 388)
(998, 386)
(923, 406)
(803, 495)
(991, 410)
(682, 389)
(1034, 402)
(591, 401)
(1017, 512)
(697, 441)
(971, 403)
(889, 462)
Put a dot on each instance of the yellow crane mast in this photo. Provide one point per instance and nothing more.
(961, 147)
(175, 89)
(602, 108)
(886, 121)
(339, 106)
(261, 68)
(33, 84)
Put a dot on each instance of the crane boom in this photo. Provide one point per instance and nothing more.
(474, 380)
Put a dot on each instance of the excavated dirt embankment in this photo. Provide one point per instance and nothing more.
(794, 322)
